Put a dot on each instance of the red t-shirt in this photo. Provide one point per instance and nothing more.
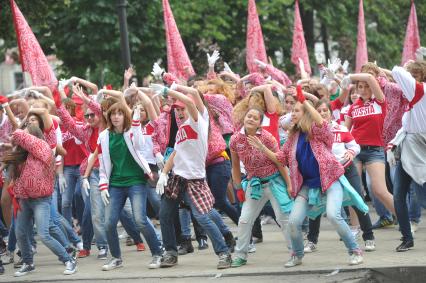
(270, 124)
(367, 121)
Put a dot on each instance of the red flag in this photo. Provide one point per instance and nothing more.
(32, 56)
(255, 47)
(178, 62)
(299, 49)
(361, 47)
(412, 38)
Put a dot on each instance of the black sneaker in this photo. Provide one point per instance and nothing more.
(24, 270)
(168, 260)
(186, 247)
(1, 268)
(405, 246)
(230, 241)
(203, 245)
(225, 261)
(383, 223)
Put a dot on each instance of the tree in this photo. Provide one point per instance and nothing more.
(84, 34)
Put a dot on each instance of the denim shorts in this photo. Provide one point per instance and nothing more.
(370, 154)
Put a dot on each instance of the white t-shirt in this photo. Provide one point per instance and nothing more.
(191, 147)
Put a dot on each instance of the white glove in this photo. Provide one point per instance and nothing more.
(261, 64)
(105, 197)
(330, 74)
(85, 185)
(213, 58)
(157, 88)
(346, 81)
(62, 182)
(162, 183)
(160, 160)
(33, 93)
(62, 84)
(345, 66)
(227, 68)
(335, 64)
(174, 86)
(100, 95)
(157, 71)
(390, 157)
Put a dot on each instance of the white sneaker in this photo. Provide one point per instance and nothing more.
(310, 247)
(70, 267)
(293, 261)
(355, 259)
(123, 235)
(112, 264)
(252, 248)
(155, 262)
(414, 227)
(370, 245)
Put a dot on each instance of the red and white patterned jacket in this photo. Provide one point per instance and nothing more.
(83, 132)
(321, 144)
(395, 108)
(220, 105)
(38, 172)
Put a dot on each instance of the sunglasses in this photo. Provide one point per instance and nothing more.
(89, 115)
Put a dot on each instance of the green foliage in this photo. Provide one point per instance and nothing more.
(84, 34)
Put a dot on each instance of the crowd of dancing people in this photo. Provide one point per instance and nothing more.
(80, 159)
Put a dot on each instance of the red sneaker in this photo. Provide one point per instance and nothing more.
(83, 253)
(140, 247)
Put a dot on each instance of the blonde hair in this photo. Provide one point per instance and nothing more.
(253, 100)
(418, 67)
(304, 125)
(223, 88)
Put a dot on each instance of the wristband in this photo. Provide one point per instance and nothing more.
(238, 186)
(165, 91)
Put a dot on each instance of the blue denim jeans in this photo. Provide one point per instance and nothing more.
(169, 208)
(414, 208)
(73, 178)
(40, 210)
(401, 188)
(129, 225)
(138, 197)
(62, 223)
(334, 208)
(97, 209)
(218, 176)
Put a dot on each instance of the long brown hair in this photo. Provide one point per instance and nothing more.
(18, 155)
(119, 107)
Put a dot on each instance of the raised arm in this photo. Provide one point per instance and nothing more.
(194, 94)
(270, 100)
(85, 83)
(372, 82)
(190, 105)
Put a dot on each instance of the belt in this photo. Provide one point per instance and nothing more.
(371, 147)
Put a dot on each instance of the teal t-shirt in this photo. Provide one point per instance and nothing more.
(125, 171)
